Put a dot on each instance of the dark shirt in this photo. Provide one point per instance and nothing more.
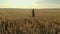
(33, 14)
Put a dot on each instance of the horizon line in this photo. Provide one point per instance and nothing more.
(32, 8)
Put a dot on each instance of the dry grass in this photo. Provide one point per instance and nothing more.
(29, 25)
(15, 24)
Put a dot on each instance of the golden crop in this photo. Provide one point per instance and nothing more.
(18, 24)
(29, 25)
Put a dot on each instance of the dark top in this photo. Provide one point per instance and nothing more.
(33, 14)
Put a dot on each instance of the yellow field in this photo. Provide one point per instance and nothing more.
(20, 21)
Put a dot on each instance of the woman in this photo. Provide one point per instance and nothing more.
(33, 14)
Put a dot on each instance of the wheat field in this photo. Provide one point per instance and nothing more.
(20, 21)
